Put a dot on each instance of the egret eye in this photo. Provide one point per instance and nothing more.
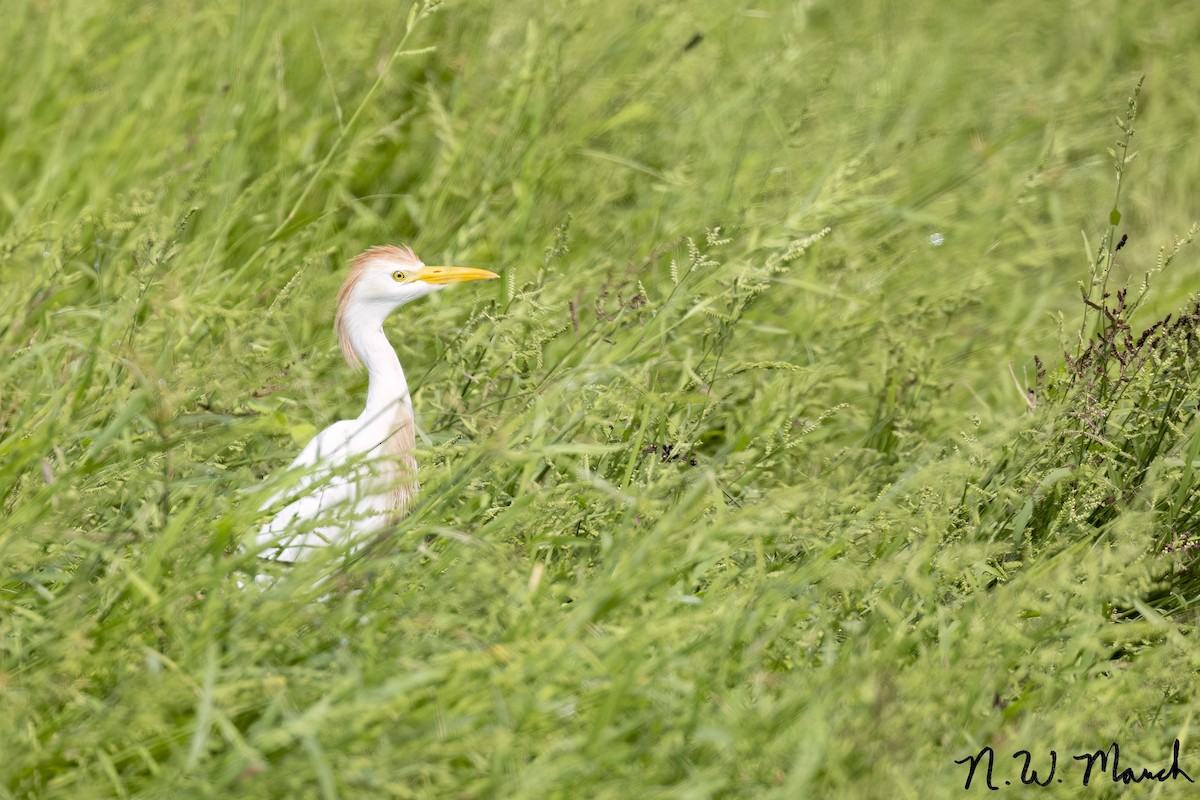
(398, 275)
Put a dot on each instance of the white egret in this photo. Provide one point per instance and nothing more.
(359, 474)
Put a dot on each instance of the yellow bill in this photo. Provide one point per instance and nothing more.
(440, 275)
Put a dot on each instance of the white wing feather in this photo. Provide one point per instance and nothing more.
(330, 502)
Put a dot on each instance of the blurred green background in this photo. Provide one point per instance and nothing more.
(694, 472)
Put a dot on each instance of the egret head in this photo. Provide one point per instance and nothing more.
(384, 278)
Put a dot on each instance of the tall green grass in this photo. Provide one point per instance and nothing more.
(727, 487)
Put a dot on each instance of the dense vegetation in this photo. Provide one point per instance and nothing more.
(805, 448)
